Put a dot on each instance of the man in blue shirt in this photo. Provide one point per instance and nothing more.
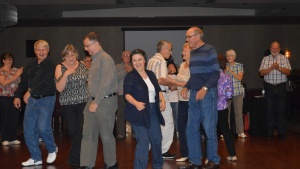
(205, 72)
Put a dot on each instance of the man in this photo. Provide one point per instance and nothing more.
(122, 69)
(99, 113)
(87, 60)
(158, 65)
(275, 68)
(205, 72)
(37, 81)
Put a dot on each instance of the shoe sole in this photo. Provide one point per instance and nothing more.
(31, 165)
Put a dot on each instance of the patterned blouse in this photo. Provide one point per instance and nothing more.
(9, 90)
(75, 91)
(238, 88)
(224, 90)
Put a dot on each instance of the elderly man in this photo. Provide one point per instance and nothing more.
(205, 73)
(122, 69)
(37, 82)
(99, 113)
(275, 68)
(158, 65)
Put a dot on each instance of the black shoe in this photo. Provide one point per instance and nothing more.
(111, 167)
(282, 136)
(120, 137)
(193, 166)
(167, 155)
(86, 167)
(211, 165)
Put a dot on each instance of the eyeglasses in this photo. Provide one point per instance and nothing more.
(70, 55)
(188, 37)
(86, 46)
(126, 55)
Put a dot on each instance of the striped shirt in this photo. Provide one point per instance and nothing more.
(204, 68)
(238, 88)
(158, 65)
(275, 77)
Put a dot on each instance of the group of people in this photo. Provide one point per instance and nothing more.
(90, 92)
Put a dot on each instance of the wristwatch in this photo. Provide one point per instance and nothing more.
(205, 88)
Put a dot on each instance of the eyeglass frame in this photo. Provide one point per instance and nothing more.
(86, 46)
(188, 37)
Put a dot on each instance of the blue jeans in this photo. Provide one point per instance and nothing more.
(37, 123)
(144, 136)
(174, 106)
(203, 112)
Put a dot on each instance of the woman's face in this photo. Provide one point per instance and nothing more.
(70, 58)
(138, 62)
(8, 62)
(230, 58)
(186, 53)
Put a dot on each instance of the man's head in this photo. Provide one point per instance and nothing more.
(194, 36)
(91, 43)
(41, 50)
(87, 60)
(164, 48)
(275, 48)
(126, 57)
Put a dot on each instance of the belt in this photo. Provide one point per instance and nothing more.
(163, 91)
(41, 96)
(276, 84)
(113, 94)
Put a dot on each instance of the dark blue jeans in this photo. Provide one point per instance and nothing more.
(144, 136)
(73, 117)
(276, 98)
(183, 107)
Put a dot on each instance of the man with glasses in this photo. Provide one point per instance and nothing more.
(205, 72)
(122, 69)
(158, 65)
(99, 113)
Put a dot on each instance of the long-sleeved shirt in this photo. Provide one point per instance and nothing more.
(121, 73)
(39, 78)
(204, 68)
(102, 79)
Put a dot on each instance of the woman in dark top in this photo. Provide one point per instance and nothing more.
(71, 79)
(145, 102)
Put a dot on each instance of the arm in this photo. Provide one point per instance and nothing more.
(139, 105)
(162, 101)
(5, 82)
(61, 79)
(238, 76)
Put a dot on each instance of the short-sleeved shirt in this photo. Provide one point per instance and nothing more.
(238, 88)
(158, 65)
(183, 76)
(75, 91)
(10, 89)
(275, 77)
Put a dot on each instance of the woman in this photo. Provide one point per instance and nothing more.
(71, 83)
(236, 71)
(182, 77)
(225, 93)
(145, 102)
(9, 80)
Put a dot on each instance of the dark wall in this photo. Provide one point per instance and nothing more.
(249, 42)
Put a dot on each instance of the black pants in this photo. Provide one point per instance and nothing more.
(9, 118)
(73, 116)
(224, 127)
(276, 98)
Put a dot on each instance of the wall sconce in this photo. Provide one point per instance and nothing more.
(287, 53)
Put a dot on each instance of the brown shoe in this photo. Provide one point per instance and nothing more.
(193, 166)
(211, 165)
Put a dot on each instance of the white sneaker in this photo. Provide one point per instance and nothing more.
(52, 156)
(242, 135)
(5, 143)
(16, 142)
(31, 162)
(221, 136)
(40, 140)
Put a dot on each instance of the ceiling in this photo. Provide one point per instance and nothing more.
(59, 9)
(28, 9)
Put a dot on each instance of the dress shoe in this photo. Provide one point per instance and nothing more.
(211, 165)
(167, 155)
(86, 167)
(120, 137)
(182, 159)
(194, 166)
(282, 136)
(242, 135)
(111, 167)
(232, 158)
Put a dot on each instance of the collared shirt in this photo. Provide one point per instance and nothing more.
(158, 65)
(238, 88)
(121, 73)
(275, 77)
(102, 79)
(39, 78)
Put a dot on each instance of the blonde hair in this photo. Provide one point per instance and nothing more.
(69, 48)
(43, 43)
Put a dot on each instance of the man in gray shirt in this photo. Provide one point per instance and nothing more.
(99, 113)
